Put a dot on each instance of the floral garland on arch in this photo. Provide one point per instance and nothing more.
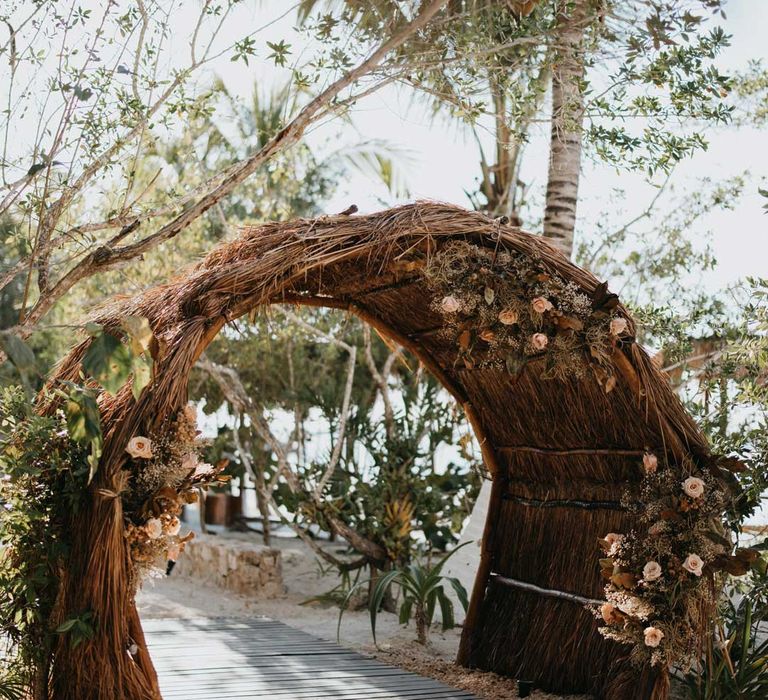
(663, 577)
(505, 309)
(167, 473)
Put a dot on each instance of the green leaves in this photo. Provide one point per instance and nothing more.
(280, 52)
(763, 193)
(20, 355)
(377, 597)
(110, 361)
(244, 49)
(83, 417)
(107, 360)
(80, 629)
(84, 423)
(141, 337)
(45, 475)
(12, 687)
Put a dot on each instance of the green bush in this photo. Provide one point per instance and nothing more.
(43, 474)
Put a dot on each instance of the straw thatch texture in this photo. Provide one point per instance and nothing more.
(542, 441)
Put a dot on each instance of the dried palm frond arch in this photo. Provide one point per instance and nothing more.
(560, 451)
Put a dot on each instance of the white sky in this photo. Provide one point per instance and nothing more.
(442, 158)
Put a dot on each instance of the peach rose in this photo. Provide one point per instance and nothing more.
(154, 528)
(139, 447)
(487, 335)
(652, 636)
(539, 341)
(608, 613)
(618, 326)
(693, 487)
(650, 462)
(450, 305)
(652, 571)
(541, 304)
(508, 317)
(613, 540)
(694, 564)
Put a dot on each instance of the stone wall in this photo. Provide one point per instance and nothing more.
(242, 567)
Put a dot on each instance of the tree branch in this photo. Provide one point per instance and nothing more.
(106, 257)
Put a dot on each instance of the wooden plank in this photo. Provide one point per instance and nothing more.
(239, 659)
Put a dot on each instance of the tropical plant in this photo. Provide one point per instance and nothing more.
(736, 666)
(422, 589)
(11, 686)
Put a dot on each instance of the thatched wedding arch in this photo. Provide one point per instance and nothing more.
(560, 449)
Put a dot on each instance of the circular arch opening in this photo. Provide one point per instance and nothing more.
(560, 447)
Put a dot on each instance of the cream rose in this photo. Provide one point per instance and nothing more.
(139, 447)
(508, 317)
(203, 469)
(541, 304)
(650, 462)
(694, 564)
(154, 528)
(173, 526)
(652, 571)
(450, 305)
(652, 636)
(693, 487)
(539, 341)
(189, 461)
(618, 326)
(190, 413)
(636, 607)
(608, 613)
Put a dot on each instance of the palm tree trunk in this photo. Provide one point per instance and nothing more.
(567, 119)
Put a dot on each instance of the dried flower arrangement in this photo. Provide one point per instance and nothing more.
(168, 472)
(503, 309)
(663, 577)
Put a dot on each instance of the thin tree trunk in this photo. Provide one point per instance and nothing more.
(262, 499)
(259, 480)
(567, 120)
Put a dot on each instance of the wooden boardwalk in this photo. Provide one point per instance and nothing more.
(212, 659)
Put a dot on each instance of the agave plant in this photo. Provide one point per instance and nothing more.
(422, 591)
(738, 668)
